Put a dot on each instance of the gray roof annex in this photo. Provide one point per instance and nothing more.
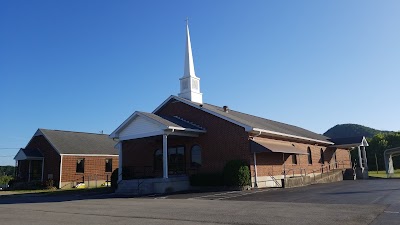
(70, 142)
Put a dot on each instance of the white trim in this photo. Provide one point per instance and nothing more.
(61, 164)
(255, 170)
(95, 155)
(364, 142)
(292, 136)
(136, 136)
(115, 133)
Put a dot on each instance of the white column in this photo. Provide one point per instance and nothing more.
(390, 166)
(360, 160)
(119, 146)
(42, 169)
(255, 169)
(29, 171)
(165, 156)
(364, 153)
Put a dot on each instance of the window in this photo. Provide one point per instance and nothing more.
(294, 159)
(176, 160)
(322, 156)
(196, 156)
(108, 165)
(309, 155)
(158, 160)
(80, 166)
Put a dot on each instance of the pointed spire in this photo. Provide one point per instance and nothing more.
(189, 65)
(190, 84)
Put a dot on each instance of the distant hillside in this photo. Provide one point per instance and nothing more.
(351, 130)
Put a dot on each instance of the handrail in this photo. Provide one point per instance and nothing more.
(325, 168)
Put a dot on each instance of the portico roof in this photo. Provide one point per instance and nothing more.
(349, 142)
(28, 154)
(143, 124)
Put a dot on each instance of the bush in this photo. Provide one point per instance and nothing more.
(206, 179)
(49, 184)
(236, 173)
(5, 179)
(114, 179)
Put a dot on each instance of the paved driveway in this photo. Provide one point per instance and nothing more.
(348, 202)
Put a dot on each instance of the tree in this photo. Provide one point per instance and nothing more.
(377, 145)
(5, 179)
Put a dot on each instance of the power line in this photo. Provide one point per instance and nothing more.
(9, 148)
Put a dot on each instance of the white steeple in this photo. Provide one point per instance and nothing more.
(190, 84)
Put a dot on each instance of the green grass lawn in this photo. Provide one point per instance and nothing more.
(382, 174)
(75, 191)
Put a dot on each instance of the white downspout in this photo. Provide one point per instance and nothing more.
(255, 164)
(61, 166)
(119, 161)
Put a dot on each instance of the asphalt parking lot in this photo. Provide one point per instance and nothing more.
(347, 202)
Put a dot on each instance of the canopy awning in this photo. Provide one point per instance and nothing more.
(28, 154)
(258, 145)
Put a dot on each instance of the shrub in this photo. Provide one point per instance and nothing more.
(49, 184)
(206, 179)
(236, 173)
(114, 179)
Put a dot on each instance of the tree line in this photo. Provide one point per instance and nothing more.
(377, 145)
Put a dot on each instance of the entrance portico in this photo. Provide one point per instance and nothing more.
(30, 165)
(150, 128)
(359, 143)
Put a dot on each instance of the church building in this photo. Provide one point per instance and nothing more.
(159, 151)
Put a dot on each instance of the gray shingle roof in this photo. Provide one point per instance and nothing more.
(347, 140)
(258, 122)
(70, 142)
(32, 152)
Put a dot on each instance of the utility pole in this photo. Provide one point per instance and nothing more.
(376, 162)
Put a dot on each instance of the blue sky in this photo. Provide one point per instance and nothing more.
(87, 65)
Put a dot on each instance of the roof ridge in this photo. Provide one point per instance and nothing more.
(264, 118)
(69, 131)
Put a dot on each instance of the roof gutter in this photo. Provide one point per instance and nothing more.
(290, 136)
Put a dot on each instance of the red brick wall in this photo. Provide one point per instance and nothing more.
(222, 142)
(51, 157)
(272, 163)
(94, 168)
